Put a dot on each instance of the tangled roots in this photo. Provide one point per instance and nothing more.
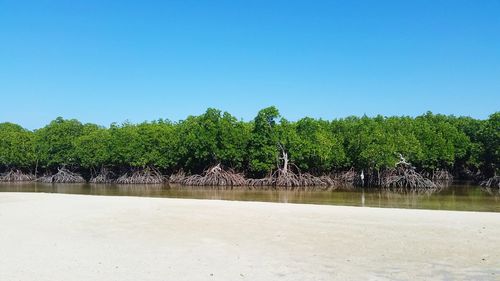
(177, 177)
(345, 179)
(286, 179)
(104, 176)
(403, 178)
(491, 182)
(16, 175)
(214, 176)
(62, 176)
(146, 176)
(439, 176)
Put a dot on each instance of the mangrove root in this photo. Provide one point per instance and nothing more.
(346, 179)
(177, 177)
(62, 176)
(285, 177)
(146, 176)
(104, 176)
(214, 176)
(439, 176)
(405, 178)
(16, 175)
(290, 180)
(491, 182)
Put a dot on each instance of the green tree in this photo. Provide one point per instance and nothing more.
(126, 147)
(263, 145)
(55, 143)
(490, 138)
(93, 147)
(213, 137)
(16, 146)
(442, 143)
(313, 147)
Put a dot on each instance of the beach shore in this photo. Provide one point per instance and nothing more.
(77, 237)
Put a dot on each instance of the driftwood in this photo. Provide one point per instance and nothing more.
(62, 176)
(104, 176)
(16, 176)
(491, 182)
(214, 176)
(145, 176)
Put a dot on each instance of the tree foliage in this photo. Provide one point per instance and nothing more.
(55, 143)
(16, 146)
(430, 141)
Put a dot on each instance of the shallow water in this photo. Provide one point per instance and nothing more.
(461, 197)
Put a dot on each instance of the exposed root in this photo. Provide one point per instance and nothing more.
(146, 176)
(401, 178)
(285, 178)
(491, 182)
(310, 180)
(62, 176)
(346, 179)
(404, 177)
(442, 175)
(177, 177)
(16, 175)
(439, 175)
(214, 176)
(317, 183)
(292, 181)
(264, 183)
(104, 176)
(475, 175)
(277, 180)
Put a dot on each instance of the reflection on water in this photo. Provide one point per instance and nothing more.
(454, 197)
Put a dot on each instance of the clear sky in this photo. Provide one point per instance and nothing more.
(105, 61)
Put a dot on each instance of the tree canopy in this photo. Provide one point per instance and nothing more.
(431, 141)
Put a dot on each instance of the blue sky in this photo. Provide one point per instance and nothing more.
(107, 61)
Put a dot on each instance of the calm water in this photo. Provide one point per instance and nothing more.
(456, 197)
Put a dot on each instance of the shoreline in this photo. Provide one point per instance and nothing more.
(49, 236)
(249, 201)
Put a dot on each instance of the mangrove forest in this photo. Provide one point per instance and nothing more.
(217, 149)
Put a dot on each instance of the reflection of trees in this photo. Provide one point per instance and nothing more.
(409, 193)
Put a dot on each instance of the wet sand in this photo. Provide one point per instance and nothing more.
(78, 237)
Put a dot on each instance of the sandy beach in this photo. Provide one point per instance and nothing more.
(77, 237)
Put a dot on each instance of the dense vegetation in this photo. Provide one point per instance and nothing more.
(467, 147)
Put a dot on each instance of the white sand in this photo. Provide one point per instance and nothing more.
(72, 237)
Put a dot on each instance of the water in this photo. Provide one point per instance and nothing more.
(456, 197)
